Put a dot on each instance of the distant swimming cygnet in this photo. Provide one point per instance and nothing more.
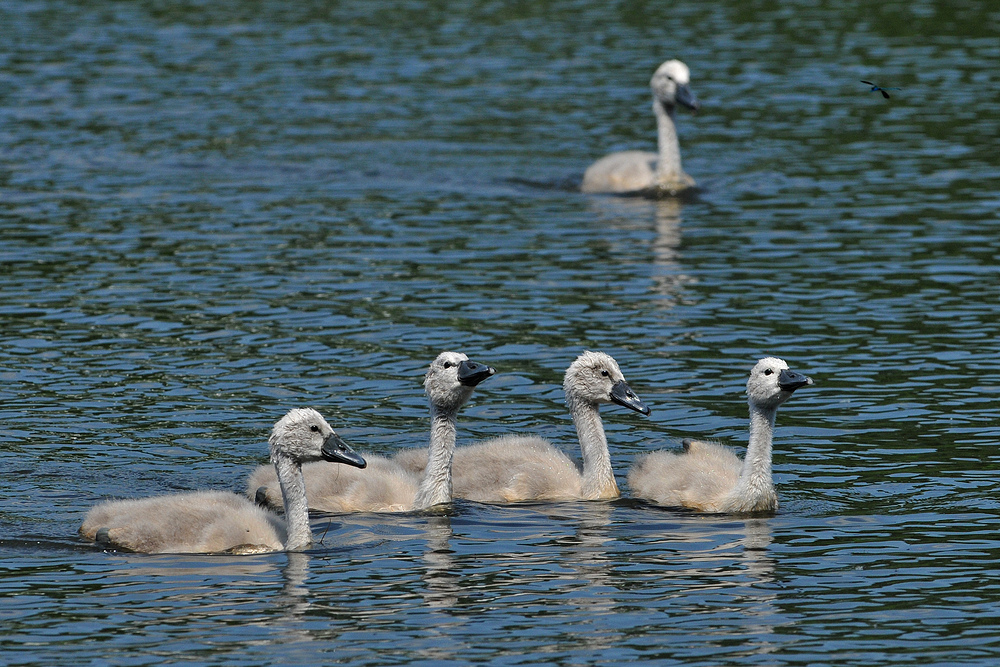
(216, 521)
(641, 172)
(709, 476)
(523, 467)
(385, 486)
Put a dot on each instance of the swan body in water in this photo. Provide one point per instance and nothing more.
(523, 467)
(645, 173)
(711, 477)
(386, 486)
(218, 521)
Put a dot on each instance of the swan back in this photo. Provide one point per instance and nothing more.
(698, 478)
(194, 522)
(384, 486)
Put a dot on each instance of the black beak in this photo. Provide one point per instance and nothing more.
(685, 97)
(790, 380)
(622, 394)
(471, 373)
(338, 451)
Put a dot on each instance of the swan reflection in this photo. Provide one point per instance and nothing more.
(441, 581)
(664, 217)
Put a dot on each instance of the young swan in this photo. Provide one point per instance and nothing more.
(640, 172)
(709, 476)
(514, 468)
(386, 486)
(216, 521)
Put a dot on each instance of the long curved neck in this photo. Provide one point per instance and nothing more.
(668, 165)
(598, 478)
(755, 488)
(435, 487)
(293, 494)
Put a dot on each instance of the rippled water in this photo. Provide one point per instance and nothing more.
(210, 213)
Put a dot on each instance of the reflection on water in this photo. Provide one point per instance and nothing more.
(756, 543)
(759, 599)
(442, 581)
(292, 602)
(239, 571)
(279, 583)
(588, 557)
(663, 217)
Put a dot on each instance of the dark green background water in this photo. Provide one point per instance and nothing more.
(213, 212)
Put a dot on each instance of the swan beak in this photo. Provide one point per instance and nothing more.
(685, 97)
(471, 373)
(338, 451)
(790, 380)
(623, 395)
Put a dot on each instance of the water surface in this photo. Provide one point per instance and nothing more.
(210, 214)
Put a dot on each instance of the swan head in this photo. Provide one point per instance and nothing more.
(303, 435)
(771, 383)
(595, 378)
(451, 378)
(670, 84)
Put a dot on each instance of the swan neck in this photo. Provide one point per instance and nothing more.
(668, 165)
(598, 477)
(755, 477)
(435, 487)
(293, 494)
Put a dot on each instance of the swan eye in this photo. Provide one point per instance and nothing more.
(448, 364)
(314, 428)
(604, 373)
(768, 371)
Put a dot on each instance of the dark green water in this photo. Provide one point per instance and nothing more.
(213, 212)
